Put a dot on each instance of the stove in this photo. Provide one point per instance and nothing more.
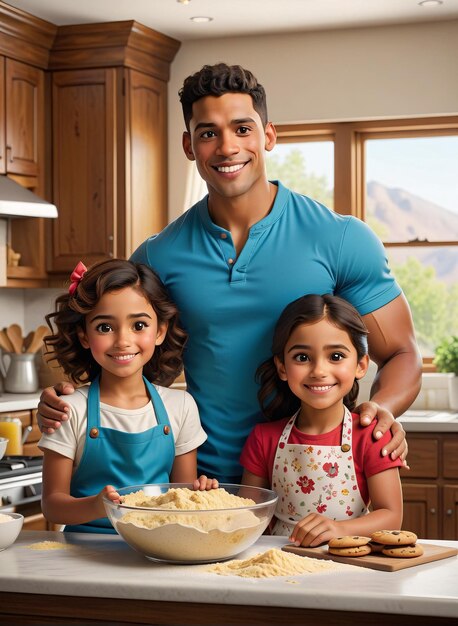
(20, 482)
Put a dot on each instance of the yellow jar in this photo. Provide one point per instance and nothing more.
(11, 429)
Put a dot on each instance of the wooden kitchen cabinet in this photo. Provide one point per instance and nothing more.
(83, 125)
(430, 488)
(109, 141)
(24, 117)
(23, 154)
(25, 42)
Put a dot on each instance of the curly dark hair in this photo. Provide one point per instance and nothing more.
(217, 80)
(275, 397)
(64, 346)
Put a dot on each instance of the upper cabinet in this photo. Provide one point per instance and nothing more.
(24, 119)
(25, 42)
(109, 140)
(83, 125)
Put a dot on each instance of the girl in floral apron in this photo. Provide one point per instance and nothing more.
(324, 466)
(117, 329)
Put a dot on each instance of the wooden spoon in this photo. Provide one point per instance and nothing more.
(14, 334)
(28, 340)
(37, 340)
(5, 343)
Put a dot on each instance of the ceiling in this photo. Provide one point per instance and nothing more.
(239, 17)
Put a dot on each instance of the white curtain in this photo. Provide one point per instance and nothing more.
(196, 188)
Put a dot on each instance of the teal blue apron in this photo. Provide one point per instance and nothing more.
(121, 459)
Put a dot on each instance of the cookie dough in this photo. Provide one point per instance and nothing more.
(187, 526)
(188, 499)
(273, 563)
(184, 499)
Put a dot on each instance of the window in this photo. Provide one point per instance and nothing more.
(307, 167)
(400, 177)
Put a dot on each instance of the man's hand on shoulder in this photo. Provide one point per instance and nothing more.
(52, 409)
(397, 447)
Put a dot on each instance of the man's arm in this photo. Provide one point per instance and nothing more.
(393, 348)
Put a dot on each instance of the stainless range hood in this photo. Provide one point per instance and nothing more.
(16, 201)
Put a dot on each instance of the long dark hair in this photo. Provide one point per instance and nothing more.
(275, 397)
(64, 346)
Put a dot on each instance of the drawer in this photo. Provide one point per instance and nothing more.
(423, 457)
(24, 416)
(31, 449)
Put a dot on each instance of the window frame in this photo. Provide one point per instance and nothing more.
(349, 160)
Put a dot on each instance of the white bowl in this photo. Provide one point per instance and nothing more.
(3, 444)
(10, 530)
(192, 535)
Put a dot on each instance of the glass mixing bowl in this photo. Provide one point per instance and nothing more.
(162, 532)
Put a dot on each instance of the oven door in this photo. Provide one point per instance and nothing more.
(22, 494)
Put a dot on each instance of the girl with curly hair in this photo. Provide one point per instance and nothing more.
(313, 452)
(118, 330)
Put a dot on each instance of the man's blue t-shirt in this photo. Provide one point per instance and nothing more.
(229, 305)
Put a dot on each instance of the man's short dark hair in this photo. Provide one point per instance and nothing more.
(217, 80)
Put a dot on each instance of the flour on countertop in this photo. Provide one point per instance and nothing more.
(49, 545)
(275, 562)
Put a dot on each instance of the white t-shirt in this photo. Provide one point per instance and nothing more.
(181, 409)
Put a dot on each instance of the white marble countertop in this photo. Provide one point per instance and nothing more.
(18, 401)
(103, 566)
(430, 420)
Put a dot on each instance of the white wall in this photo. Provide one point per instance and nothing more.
(26, 307)
(392, 71)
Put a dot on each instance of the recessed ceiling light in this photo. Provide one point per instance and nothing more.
(430, 3)
(200, 19)
(183, 1)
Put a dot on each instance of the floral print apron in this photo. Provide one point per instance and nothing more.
(315, 479)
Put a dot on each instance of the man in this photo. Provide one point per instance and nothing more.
(237, 257)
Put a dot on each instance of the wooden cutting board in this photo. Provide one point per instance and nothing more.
(377, 560)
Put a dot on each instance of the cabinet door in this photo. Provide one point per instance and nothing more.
(423, 455)
(450, 456)
(421, 509)
(2, 116)
(451, 512)
(146, 158)
(24, 118)
(84, 150)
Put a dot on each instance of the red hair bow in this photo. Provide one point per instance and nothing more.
(76, 277)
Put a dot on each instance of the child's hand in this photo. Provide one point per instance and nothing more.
(205, 484)
(313, 530)
(109, 492)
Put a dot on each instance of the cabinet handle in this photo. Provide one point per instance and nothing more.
(111, 239)
(9, 150)
(449, 512)
(432, 511)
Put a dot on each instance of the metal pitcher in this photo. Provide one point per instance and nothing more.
(21, 375)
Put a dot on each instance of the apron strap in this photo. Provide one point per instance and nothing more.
(159, 408)
(93, 404)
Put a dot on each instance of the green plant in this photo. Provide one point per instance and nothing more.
(446, 359)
